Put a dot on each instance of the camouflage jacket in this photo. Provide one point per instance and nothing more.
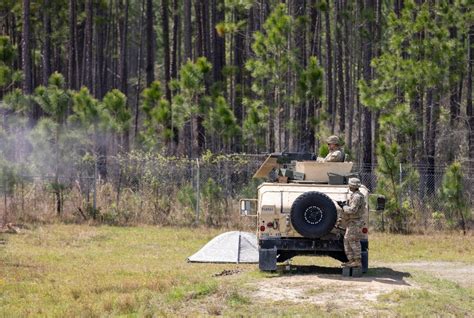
(354, 209)
(335, 156)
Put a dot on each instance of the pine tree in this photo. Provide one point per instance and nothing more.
(88, 118)
(418, 64)
(221, 123)
(8, 75)
(453, 195)
(190, 104)
(54, 101)
(390, 185)
(268, 67)
(310, 89)
(157, 120)
(117, 116)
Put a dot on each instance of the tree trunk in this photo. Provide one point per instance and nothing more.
(199, 49)
(206, 29)
(417, 137)
(176, 40)
(26, 50)
(329, 78)
(296, 112)
(150, 43)
(432, 111)
(454, 104)
(27, 65)
(47, 42)
(398, 6)
(109, 47)
(417, 109)
(123, 74)
(139, 70)
(166, 46)
(202, 39)
(238, 62)
(348, 63)
(71, 63)
(187, 31)
(101, 47)
(377, 52)
(87, 65)
(58, 64)
(340, 70)
(315, 34)
(186, 133)
(218, 41)
(124, 69)
(367, 114)
(469, 110)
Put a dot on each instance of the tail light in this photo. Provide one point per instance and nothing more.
(262, 228)
(270, 224)
(365, 230)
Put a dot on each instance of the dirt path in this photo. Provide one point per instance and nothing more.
(329, 291)
(460, 273)
(327, 288)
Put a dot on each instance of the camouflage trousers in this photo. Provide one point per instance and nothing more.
(352, 241)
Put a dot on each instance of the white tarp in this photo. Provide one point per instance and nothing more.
(229, 247)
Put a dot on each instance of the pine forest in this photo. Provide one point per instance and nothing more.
(144, 97)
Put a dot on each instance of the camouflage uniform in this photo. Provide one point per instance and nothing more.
(335, 156)
(353, 213)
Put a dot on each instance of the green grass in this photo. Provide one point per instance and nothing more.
(71, 270)
(410, 248)
(435, 297)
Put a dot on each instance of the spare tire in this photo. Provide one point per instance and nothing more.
(313, 214)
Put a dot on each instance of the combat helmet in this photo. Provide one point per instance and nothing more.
(354, 182)
(333, 140)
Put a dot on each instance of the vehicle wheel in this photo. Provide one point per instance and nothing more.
(313, 214)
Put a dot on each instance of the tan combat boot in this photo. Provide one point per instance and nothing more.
(347, 264)
(355, 263)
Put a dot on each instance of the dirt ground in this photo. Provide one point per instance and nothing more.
(460, 273)
(319, 285)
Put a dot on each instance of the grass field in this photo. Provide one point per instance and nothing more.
(71, 270)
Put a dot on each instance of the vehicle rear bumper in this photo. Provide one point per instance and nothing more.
(304, 244)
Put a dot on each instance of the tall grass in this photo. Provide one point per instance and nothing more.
(78, 270)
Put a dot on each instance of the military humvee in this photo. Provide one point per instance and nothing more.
(298, 206)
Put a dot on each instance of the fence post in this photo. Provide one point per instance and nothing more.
(5, 212)
(383, 221)
(22, 196)
(401, 180)
(94, 190)
(198, 194)
(401, 173)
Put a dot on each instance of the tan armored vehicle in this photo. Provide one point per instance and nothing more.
(298, 207)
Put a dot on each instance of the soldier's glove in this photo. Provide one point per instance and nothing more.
(341, 203)
(339, 224)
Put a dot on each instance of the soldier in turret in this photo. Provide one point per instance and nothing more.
(353, 217)
(336, 154)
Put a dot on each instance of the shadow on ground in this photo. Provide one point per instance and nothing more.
(384, 275)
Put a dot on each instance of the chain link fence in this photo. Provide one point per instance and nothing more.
(147, 189)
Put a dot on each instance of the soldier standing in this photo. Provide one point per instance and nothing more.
(352, 213)
(336, 154)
